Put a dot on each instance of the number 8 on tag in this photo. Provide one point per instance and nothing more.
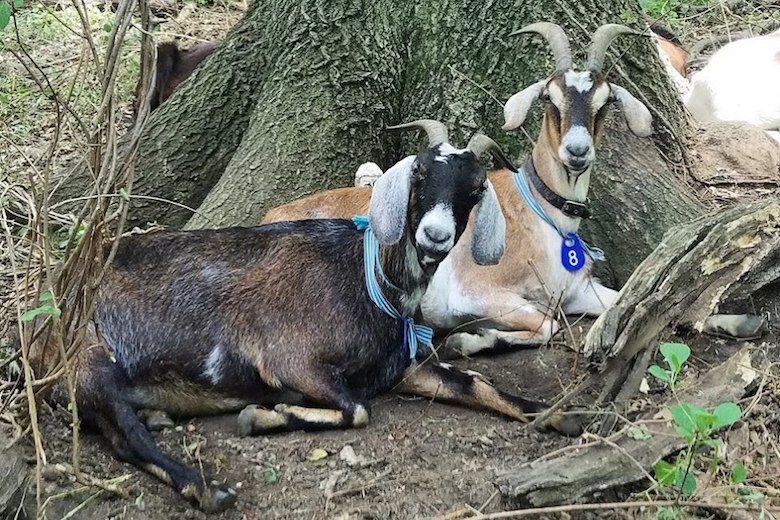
(572, 253)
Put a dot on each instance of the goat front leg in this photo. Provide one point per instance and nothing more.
(323, 384)
(592, 300)
(510, 323)
(443, 382)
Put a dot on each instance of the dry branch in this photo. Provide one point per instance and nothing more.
(591, 471)
(722, 256)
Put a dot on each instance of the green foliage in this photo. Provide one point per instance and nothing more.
(694, 424)
(47, 308)
(671, 11)
(675, 355)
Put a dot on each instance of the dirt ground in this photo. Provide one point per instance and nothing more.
(416, 459)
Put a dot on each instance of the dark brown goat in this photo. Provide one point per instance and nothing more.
(174, 65)
(212, 321)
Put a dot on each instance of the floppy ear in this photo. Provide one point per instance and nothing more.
(488, 241)
(389, 202)
(638, 117)
(516, 108)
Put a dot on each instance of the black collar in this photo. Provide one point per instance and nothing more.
(570, 208)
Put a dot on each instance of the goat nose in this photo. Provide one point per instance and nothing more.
(436, 235)
(577, 150)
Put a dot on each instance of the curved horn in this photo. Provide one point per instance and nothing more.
(437, 132)
(557, 39)
(480, 143)
(602, 38)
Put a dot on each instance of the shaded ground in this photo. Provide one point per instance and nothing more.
(421, 459)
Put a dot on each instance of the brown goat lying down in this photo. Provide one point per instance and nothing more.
(212, 321)
(174, 65)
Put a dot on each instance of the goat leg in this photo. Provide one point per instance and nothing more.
(443, 382)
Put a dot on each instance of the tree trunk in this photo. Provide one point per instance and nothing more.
(299, 93)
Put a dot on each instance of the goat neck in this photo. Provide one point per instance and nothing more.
(557, 178)
(402, 269)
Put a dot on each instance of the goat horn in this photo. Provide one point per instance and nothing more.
(480, 143)
(437, 132)
(602, 38)
(556, 37)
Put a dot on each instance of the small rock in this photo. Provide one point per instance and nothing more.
(348, 455)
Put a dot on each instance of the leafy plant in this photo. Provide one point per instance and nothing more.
(675, 355)
(670, 11)
(47, 308)
(5, 11)
(694, 424)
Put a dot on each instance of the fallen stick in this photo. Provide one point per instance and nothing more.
(593, 470)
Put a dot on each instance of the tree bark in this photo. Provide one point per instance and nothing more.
(14, 483)
(299, 93)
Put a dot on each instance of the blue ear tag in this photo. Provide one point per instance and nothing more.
(572, 253)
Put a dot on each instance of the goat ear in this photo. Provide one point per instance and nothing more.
(516, 108)
(389, 202)
(638, 117)
(489, 238)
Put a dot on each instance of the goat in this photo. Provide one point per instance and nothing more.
(670, 48)
(211, 321)
(173, 66)
(740, 83)
(509, 301)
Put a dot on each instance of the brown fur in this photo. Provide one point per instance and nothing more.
(174, 66)
(676, 54)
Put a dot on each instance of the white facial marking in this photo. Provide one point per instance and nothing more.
(214, 365)
(581, 81)
(577, 138)
(555, 93)
(445, 150)
(436, 231)
(599, 97)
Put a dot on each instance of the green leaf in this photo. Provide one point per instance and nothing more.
(46, 296)
(704, 420)
(5, 14)
(726, 414)
(638, 433)
(684, 420)
(108, 26)
(30, 314)
(738, 473)
(685, 481)
(675, 354)
(659, 373)
(664, 473)
(270, 476)
(123, 193)
(750, 495)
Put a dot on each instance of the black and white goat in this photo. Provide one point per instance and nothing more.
(211, 321)
(511, 304)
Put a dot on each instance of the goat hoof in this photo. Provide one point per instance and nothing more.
(217, 498)
(566, 422)
(281, 408)
(246, 421)
(158, 422)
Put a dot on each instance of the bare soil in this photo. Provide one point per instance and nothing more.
(417, 458)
